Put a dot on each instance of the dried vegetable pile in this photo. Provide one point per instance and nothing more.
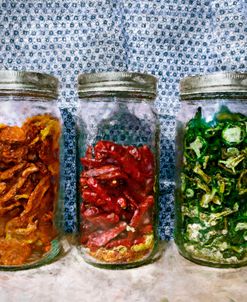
(214, 187)
(117, 188)
(29, 171)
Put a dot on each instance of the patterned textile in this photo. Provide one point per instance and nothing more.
(168, 38)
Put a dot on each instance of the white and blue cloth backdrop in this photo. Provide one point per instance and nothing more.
(167, 38)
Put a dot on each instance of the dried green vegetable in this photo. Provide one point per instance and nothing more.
(214, 187)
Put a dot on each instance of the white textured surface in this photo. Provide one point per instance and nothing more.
(172, 279)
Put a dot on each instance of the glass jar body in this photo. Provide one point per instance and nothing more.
(118, 181)
(211, 142)
(30, 211)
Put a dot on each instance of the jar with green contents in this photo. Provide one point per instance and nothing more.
(211, 182)
(118, 168)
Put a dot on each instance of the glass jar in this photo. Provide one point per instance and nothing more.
(211, 198)
(30, 128)
(118, 168)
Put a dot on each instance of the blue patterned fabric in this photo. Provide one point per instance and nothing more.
(168, 38)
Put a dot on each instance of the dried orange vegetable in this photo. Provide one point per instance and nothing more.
(29, 172)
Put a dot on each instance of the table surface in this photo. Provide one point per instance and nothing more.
(172, 278)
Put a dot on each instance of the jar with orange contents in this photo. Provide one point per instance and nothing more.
(30, 131)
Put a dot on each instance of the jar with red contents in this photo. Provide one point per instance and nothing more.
(118, 169)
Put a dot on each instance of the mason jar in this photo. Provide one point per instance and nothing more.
(211, 182)
(118, 153)
(30, 129)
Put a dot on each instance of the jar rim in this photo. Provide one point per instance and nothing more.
(123, 84)
(213, 83)
(28, 83)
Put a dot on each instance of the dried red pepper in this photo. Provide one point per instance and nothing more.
(140, 211)
(118, 197)
(99, 239)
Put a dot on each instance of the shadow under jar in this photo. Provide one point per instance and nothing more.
(118, 168)
(30, 130)
(211, 193)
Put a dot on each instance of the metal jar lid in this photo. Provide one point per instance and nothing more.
(215, 83)
(117, 84)
(27, 83)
